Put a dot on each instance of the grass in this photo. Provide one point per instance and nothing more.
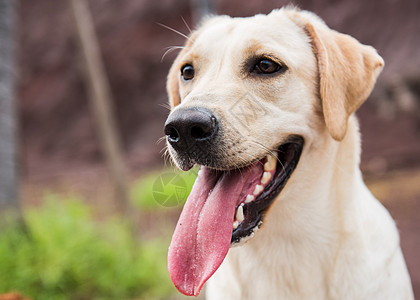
(64, 253)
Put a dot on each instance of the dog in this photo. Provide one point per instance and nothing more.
(279, 209)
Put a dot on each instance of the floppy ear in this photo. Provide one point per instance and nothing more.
(172, 85)
(347, 71)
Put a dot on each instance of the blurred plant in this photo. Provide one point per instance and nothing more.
(65, 254)
(163, 189)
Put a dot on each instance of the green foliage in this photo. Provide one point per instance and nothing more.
(164, 189)
(63, 253)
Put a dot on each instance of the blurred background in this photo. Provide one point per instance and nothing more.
(97, 217)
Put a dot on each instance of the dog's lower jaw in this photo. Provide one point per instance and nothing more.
(320, 238)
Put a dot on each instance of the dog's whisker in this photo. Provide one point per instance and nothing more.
(186, 24)
(160, 140)
(174, 30)
(266, 149)
(272, 152)
(169, 50)
(167, 161)
(167, 158)
(175, 46)
(163, 151)
(244, 160)
(165, 105)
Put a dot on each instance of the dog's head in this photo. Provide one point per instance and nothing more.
(247, 94)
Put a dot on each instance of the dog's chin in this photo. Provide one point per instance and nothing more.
(269, 176)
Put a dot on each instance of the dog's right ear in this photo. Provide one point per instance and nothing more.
(347, 71)
(172, 85)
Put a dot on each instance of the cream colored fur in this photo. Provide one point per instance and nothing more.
(325, 236)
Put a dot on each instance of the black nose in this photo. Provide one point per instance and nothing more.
(186, 127)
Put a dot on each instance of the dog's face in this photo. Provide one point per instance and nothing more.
(258, 82)
(248, 94)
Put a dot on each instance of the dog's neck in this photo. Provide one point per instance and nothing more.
(321, 189)
(307, 224)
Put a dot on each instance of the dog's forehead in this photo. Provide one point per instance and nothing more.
(274, 32)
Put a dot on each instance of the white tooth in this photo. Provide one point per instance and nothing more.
(258, 189)
(270, 165)
(240, 214)
(266, 177)
(235, 224)
(249, 198)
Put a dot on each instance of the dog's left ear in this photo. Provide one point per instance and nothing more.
(347, 71)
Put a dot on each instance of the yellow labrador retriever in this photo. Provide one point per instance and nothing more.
(265, 105)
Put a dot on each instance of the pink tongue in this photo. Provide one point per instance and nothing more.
(202, 236)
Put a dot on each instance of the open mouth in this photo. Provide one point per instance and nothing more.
(225, 208)
(275, 170)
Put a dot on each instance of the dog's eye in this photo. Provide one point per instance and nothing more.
(187, 72)
(266, 66)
